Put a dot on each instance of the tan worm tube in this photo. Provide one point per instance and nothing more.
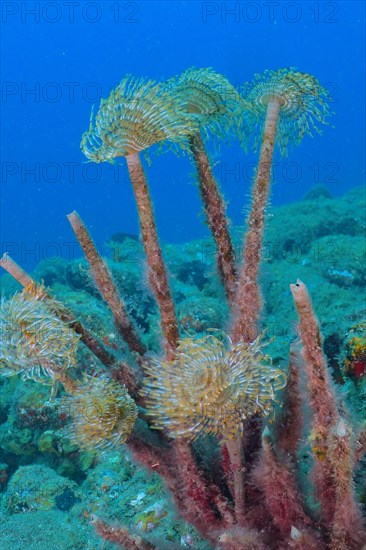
(158, 276)
(248, 299)
(104, 281)
(7, 263)
(330, 437)
(237, 470)
(215, 210)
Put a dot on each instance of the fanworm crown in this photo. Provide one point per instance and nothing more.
(137, 114)
(34, 341)
(304, 103)
(210, 387)
(210, 96)
(102, 413)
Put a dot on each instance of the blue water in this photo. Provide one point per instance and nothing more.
(59, 58)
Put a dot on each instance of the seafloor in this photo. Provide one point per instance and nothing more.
(50, 490)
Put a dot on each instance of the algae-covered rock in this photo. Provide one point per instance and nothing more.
(201, 315)
(47, 530)
(47, 442)
(18, 441)
(51, 270)
(38, 487)
(341, 259)
(119, 488)
(293, 228)
(28, 414)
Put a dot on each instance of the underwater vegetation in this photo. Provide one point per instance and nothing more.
(241, 490)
